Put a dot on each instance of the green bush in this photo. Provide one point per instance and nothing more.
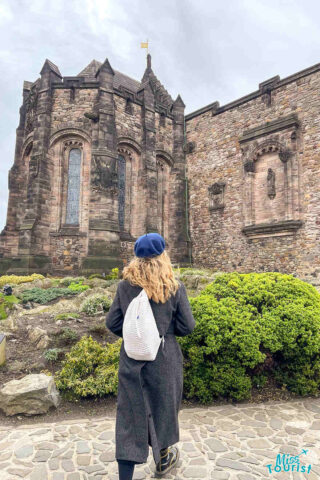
(89, 369)
(66, 281)
(249, 327)
(52, 354)
(96, 303)
(111, 276)
(6, 304)
(68, 335)
(39, 295)
(17, 279)
(78, 287)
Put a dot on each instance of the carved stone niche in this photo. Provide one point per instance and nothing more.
(271, 197)
(216, 196)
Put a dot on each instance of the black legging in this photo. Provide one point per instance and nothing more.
(126, 468)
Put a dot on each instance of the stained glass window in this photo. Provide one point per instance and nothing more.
(122, 189)
(73, 198)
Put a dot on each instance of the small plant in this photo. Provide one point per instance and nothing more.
(111, 276)
(99, 328)
(66, 316)
(52, 354)
(46, 372)
(68, 280)
(96, 304)
(78, 287)
(68, 335)
(6, 305)
(89, 369)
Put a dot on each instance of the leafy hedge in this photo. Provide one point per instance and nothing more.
(89, 369)
(248, 327)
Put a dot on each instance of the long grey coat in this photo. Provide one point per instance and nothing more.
(150, 392)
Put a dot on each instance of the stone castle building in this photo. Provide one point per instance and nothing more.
(101, 159)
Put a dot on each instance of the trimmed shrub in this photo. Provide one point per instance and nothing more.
(39, 295)
(89, 369)
(95, 304)
(17, 279)
(249, 327)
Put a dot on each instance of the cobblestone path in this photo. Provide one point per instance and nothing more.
(231, 442)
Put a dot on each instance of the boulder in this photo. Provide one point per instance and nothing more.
(33, 394)
(38, 336)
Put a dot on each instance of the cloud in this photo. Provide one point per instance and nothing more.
(203, 50)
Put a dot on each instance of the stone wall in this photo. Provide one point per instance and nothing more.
(254, 179)
(139, 131)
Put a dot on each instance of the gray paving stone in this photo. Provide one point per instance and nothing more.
(215, 445)
(19, 472)
(42, 456)
(53, 464)
(24, 452)
(225, 462)
(67, 465)
(195, 472)
(83, 447)
(83, 460)
(58, 476)
(107, 456)
(216, 475)
(39, 473)
(73, 476)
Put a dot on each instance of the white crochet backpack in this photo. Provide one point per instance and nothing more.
(139, 331)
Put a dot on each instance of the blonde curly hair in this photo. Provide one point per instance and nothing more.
(154, 274)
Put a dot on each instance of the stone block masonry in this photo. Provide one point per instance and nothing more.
(264, 149)
(102, 158)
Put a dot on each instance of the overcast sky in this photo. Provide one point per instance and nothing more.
(206, 50)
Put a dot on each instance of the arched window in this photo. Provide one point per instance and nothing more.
(73, 198)
(122, 189)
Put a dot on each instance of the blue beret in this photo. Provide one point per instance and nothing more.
(149, 245)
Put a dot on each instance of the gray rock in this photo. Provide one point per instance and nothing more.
(32, 395)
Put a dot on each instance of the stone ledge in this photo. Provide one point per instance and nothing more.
(285, 227)
(270, 127)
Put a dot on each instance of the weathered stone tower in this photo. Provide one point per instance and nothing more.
(99, 161)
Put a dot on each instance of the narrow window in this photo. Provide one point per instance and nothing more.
(122, 189)
(128, 108)
(74, 168)
(162, 120)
